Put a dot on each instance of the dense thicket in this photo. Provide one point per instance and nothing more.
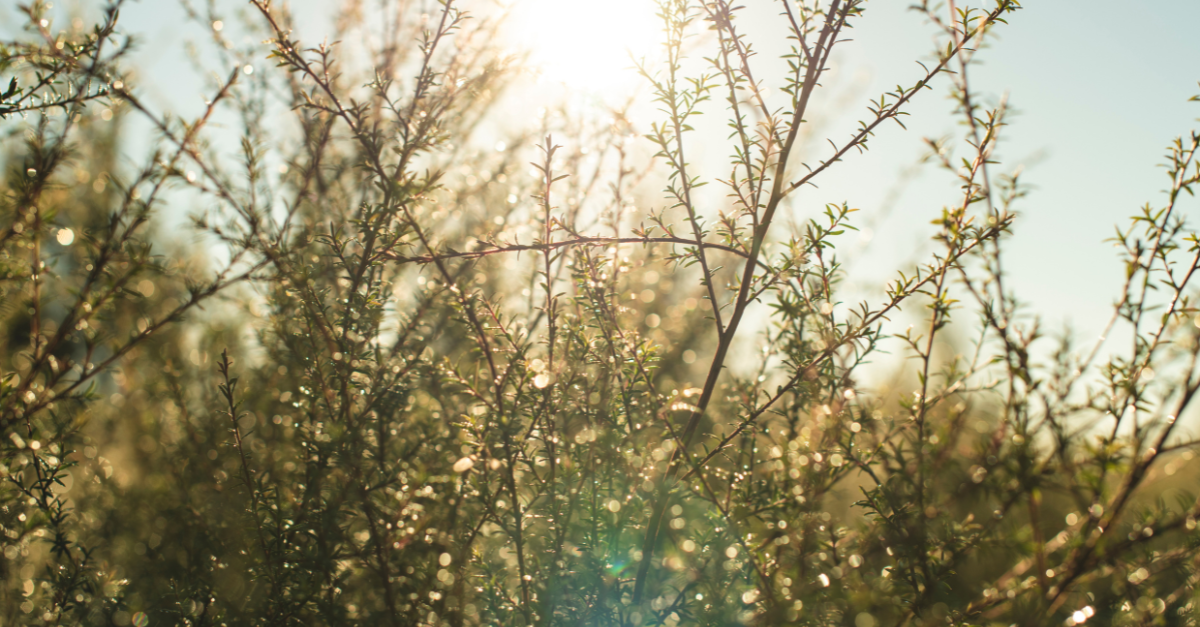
(406, 380)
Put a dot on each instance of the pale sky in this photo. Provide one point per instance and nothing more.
(1101, 87)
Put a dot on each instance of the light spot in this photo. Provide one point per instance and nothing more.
(65, 236)
(586, 45)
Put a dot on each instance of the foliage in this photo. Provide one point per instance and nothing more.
(418, 384)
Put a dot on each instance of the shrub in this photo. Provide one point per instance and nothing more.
(405, 381)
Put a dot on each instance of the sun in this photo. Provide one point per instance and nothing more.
(589, 45)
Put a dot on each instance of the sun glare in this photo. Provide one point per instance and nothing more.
(587, 44)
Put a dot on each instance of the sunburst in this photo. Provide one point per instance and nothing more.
(588, 45)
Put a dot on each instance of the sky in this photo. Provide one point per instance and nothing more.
(1099, 87)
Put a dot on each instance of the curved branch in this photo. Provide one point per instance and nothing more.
(579, 241)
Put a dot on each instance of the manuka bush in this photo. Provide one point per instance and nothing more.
(404, 379)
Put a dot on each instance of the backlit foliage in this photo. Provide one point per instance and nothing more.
(405, 379)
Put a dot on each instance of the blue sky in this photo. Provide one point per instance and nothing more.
(1101, 87)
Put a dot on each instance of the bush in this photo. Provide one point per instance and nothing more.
(405, 381)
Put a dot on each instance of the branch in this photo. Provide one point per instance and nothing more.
(579, 241)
